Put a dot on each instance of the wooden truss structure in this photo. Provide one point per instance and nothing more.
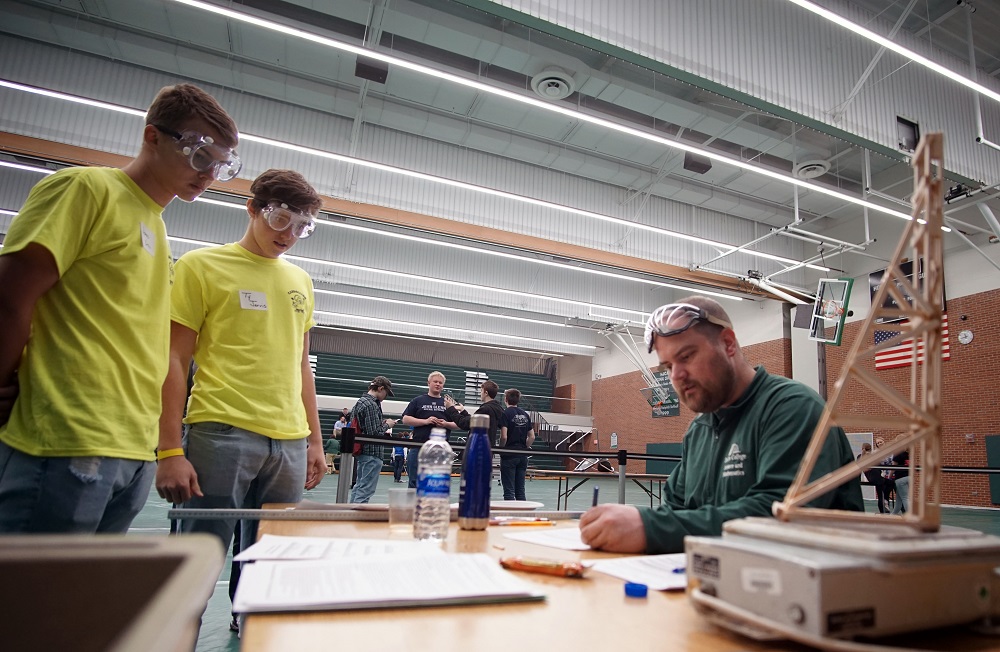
(918, 417)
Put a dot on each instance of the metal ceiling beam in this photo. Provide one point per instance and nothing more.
(842, 107)
(373, 34)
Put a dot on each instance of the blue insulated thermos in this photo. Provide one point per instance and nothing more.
(477, 469)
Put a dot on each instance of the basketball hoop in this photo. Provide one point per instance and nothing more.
(832, 309)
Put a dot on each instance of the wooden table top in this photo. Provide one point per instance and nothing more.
(578, 614)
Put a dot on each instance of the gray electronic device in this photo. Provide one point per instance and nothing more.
(808, 582)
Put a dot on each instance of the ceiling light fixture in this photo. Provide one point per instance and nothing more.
(428, 279)
(898, 49)
(427, 339)
(520, 198)
(464, 311)
(537, 103)
(27, 168)
(434, 179)
(461, 331)
(537, 261)
(492, 252)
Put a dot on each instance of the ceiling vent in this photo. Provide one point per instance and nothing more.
(553, 84)
(811, 169)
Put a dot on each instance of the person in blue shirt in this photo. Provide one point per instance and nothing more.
(425, 412)
(398, 462)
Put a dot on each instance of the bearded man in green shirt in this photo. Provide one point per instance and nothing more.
(740, 454)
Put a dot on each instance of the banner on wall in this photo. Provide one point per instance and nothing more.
(671, 407)
(875, 281)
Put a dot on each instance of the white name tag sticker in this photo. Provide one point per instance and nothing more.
(253, 300)
(148, 239)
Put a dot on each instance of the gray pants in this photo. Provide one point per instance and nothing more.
(902, 495)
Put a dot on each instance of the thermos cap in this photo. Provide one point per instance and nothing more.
(480, 421)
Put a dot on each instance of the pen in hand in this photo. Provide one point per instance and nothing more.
(596, 490)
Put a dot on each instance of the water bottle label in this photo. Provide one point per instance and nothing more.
(434, 486)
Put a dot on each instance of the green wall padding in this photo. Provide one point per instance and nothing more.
(662, 466)
(993, 461)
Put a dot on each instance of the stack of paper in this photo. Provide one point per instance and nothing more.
(336, 574)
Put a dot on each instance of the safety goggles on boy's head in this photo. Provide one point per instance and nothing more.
(681, 316)
(204, 155)
(280, 216)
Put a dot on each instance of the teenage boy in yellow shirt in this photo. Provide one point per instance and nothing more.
(253, 434)
(85, 275)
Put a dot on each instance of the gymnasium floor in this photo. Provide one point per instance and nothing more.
(216, 637)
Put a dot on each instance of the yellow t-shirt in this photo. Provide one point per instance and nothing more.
(91, 373)
(251, 314)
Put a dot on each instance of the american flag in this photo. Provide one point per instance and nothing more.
(901, 354)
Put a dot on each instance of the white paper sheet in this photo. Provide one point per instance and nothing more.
(272, 546)
(658, 572)
(565, 538)
(375, 582)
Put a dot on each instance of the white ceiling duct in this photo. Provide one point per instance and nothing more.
(553, 84)
(811, 169)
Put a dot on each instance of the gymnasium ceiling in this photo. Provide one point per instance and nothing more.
(463, 39)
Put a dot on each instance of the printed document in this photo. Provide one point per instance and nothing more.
(375, 582)
(564, 538)
(272, 546)
(658, 572)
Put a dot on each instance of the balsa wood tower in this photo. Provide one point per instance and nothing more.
(917, 416)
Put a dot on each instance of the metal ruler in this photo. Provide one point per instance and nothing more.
(333, 514)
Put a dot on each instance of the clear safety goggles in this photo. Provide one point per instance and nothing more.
(681, 316)
(280, 216)
(205, 156)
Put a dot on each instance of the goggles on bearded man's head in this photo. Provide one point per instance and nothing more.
(675, 318)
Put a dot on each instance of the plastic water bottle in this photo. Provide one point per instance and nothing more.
(433, 511)
(477, 467)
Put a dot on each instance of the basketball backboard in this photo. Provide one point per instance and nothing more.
(830, 310)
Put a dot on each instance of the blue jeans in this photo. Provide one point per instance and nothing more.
(398, 462)
(369, 468)
(512, 471)
(239, 469)
(70, 494)
(411, 466)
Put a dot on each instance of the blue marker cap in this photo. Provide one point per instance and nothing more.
(634, 590)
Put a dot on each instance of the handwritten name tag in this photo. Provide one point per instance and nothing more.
(253, 300)
(148, 239)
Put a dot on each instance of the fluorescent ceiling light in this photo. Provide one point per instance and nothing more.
(378, 321)
(497, 253)
(73, 98)
(27, 168)
(427, 339)
(898, 49)
(439, 180)
(520, 198)
(426, 279)
(537, 261)
(225, 204)
(537, 103)
(4, 211)
(464, 311)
